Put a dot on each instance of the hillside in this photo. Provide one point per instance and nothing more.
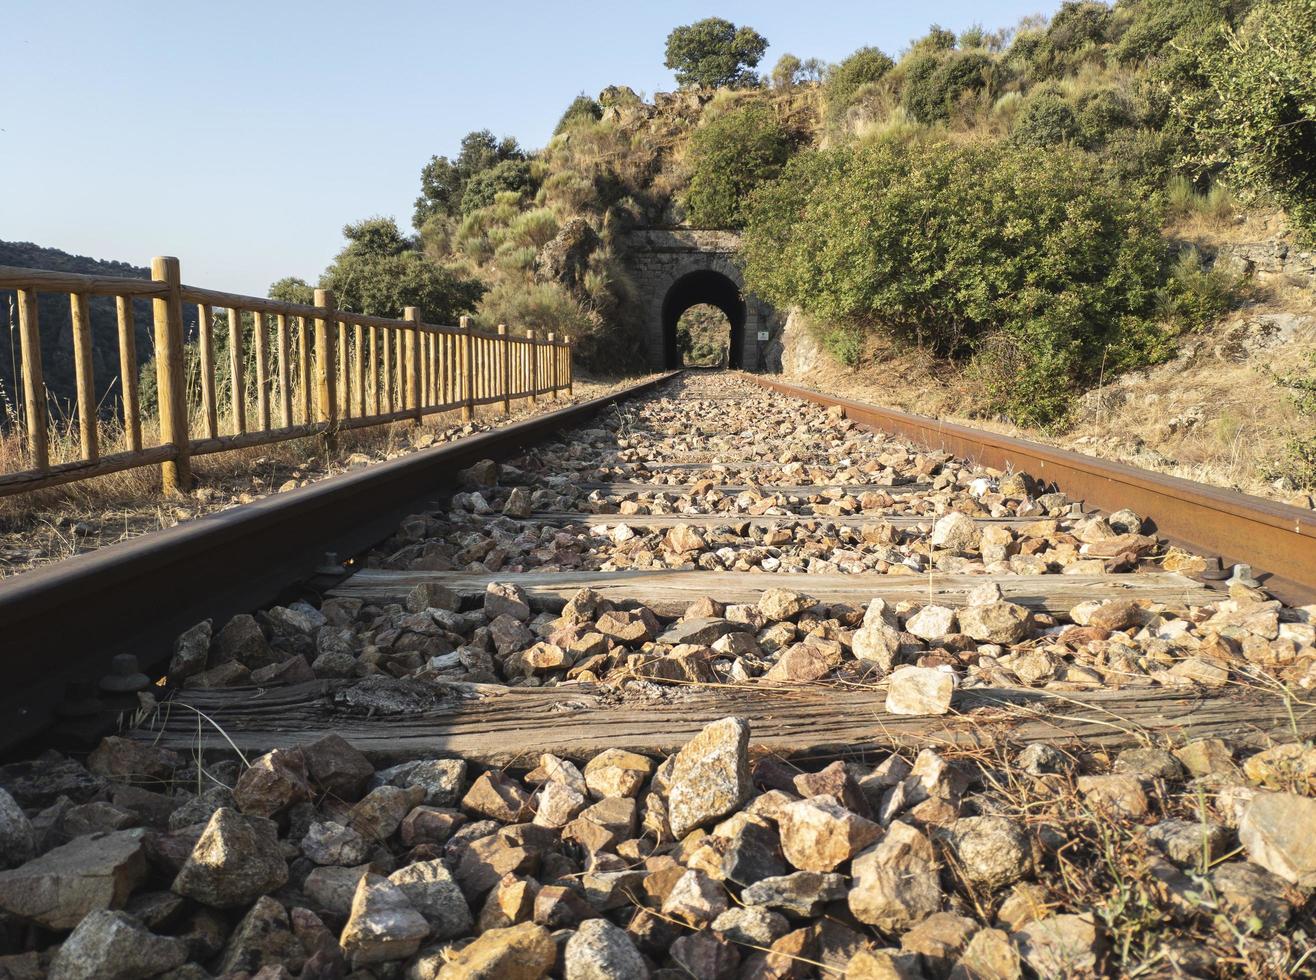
(56, 339)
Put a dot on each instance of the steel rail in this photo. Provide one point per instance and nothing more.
(65, 621)
(1277, 540)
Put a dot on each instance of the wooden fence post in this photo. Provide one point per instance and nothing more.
(237, 372)
(132, 416)
(571, 373)
(171, 376)
(504, 369)
(534, 367)
(326, 384)
(82, 373)
(206, 348)
(468, 370)
(412, 315)
(552, 364)
(34, 385)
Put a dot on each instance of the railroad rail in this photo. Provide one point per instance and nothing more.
(137, 596)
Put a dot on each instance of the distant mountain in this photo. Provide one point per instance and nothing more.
(56, 331)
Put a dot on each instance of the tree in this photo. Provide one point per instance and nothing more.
(713, 53)
(1258, 117)
(290, 289)
(785, 73)
(582, 109)
(729, 157)
(381, 272)
(443, 181)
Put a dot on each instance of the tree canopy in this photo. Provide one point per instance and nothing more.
(381, 272)
(714, 53)
(443, 181)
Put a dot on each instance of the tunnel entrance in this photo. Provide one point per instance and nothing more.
(703, 287)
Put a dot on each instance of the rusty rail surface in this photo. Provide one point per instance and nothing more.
(1277, 540)
(139, 595)
(293, 371)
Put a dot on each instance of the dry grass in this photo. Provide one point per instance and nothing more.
(48, 525)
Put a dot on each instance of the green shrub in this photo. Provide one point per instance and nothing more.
(583, 109)
(729, 157)
(1100, 115)
(845, 342)
(952, 244)
(1195, 295)
(1046, 119)
(1183, 200)
(846, 78)
(509, 175)
(934, 83)
(534, 228)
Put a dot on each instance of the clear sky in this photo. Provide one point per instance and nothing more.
(242, 136)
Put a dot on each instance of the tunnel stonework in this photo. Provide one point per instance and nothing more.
(676, 268)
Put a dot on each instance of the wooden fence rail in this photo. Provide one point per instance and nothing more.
(318, 370)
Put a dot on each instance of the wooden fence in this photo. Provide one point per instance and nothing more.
(323, 370)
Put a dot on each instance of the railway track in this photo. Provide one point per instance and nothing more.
(869, 662)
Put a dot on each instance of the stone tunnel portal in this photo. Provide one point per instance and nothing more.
(703, 286)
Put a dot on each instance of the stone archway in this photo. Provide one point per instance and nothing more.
(715, 289)
(677, 268)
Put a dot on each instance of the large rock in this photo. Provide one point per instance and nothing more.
(895, 882)
(262, 939)
(955, 532)
(109, 945)
(991, 851)
(336, 767)
(272, 783)
(919, 691)
(819, 834)
(932, 622)
(710, 776)
(1061, 945)
(18, 842)
(435, 894)
(601, 951)
(996, 622)
(521, 952)
(236, 860)
(803, 893)
(1278, 830)
(383, 924)
(59, 888)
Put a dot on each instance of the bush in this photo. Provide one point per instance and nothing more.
(583, 109)
(845, 79)
(1184, 201)
(510, 175)
(845, 342)
(955, 244)
(535, 228)
(729, 157)
(934, 83)
(1100, 115)
(1046, 119)
(1258, 117)
(713, 53)
(1298, 468)
(1195, 295)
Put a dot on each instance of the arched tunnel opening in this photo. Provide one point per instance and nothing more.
(693, 289)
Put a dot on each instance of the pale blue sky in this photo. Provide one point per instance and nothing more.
(241, 136)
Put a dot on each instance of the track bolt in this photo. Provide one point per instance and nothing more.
(1242, 575)
(124, 677)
